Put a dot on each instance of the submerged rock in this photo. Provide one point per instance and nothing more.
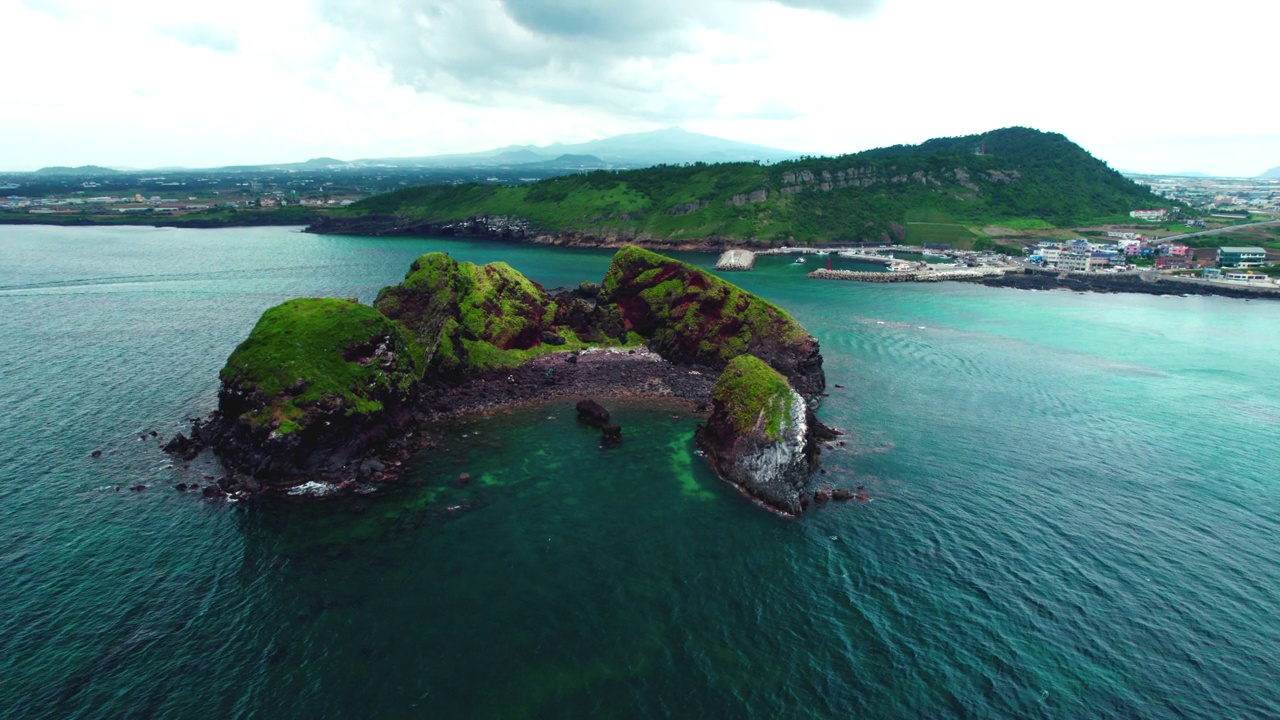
(611, 434)
(592, 413)
(757, 437)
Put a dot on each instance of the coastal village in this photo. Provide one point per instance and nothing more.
(1118, 253)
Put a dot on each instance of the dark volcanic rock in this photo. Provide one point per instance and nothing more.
(611, 434)
(592, 413)
(183, 447)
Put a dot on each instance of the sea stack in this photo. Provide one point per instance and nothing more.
(758, 437)
(316, 384)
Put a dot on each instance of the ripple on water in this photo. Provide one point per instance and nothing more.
(1071, 515)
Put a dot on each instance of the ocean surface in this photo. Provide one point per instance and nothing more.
(1073, 512)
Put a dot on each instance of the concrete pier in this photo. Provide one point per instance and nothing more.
(909, 276)
(736, 260)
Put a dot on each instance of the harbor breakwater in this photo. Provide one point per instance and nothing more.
(909, 275)
(736, 260)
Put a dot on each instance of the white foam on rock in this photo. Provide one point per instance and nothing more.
(312, 488)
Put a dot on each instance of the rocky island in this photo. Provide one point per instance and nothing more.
(332, 391)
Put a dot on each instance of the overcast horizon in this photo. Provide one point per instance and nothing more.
(1150, 87)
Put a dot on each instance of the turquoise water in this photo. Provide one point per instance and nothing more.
(1073, 513)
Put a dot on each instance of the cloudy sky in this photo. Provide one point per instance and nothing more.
(1147, 85)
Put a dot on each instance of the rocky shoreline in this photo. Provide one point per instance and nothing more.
(517, 230)
(602, 373)
(608, 374)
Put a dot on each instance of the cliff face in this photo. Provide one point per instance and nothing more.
(314, 374)
(758, 436)
(691, 316)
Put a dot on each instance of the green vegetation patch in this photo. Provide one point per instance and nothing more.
(425, 302)
(754, 396)
(472, 317)
(313, 352)
(956, 235)
(691, 315)
(1023, 224)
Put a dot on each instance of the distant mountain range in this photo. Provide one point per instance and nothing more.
(1272, 173)
(83, 170)
(672, 146)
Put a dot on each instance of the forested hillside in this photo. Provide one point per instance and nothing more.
(1014, 174)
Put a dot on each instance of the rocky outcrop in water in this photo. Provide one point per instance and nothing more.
(337, 391)
(691, 316)
(317, 383)
(759, 437)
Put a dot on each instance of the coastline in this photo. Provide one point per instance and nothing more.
(518, 231)
(186, 222)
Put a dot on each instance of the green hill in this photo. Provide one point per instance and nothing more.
(1022, 175)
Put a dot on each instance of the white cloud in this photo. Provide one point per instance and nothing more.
(146, 82)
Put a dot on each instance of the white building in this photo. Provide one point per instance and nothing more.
(1250, 278)
(1075, 262)
(1050, 254)
(1149, 215)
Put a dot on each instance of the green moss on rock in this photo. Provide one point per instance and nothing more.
(692, 316)
(470, 317)
(318, 353)
(754, 396)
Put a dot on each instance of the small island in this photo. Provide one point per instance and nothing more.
(331, 393)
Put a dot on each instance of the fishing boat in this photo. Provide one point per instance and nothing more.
(799, 261)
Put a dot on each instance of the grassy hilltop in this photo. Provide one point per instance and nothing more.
(1024, 178)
